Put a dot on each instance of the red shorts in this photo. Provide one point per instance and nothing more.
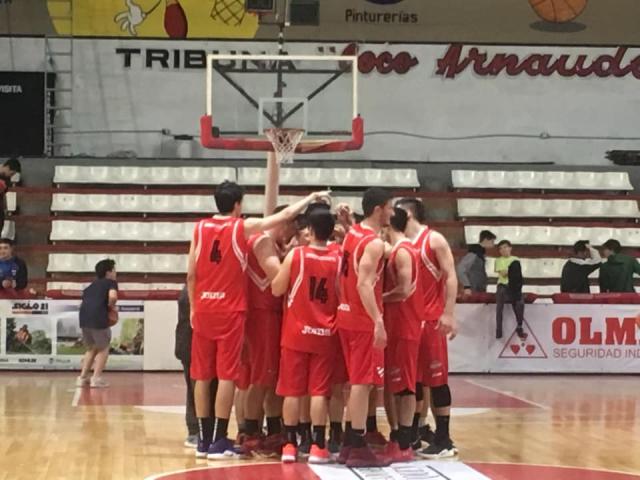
(365, 364)
(401, 365)
(305, 373)
(218, 356)
(263, 339)
(244, 378)
(433, 359)
(340, 375)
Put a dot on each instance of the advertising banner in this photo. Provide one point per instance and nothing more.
(558, 339)
(44, 334)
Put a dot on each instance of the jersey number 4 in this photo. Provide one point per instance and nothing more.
(216, 254)
(318, 290)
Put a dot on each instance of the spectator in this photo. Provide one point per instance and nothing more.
(7, 171)
(575, 273)
(183, 353)
(616, 274)
(509, 289)
(97, 300)
(13, 270)
(471, 270)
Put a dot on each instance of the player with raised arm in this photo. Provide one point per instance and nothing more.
(403, 305)
(440, 288)
(262, 332)
(360, 322)
(309, 276)
(216, 283)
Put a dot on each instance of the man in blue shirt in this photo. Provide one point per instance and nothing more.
(97, 299)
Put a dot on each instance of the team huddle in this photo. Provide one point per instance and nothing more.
(290, 309)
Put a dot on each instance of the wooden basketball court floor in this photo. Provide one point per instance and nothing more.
(506, 427)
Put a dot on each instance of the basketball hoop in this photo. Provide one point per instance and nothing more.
(284, 141)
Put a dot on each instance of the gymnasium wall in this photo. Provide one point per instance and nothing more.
(504, 21)
(421, 103)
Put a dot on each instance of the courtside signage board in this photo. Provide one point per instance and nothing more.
(45, 334)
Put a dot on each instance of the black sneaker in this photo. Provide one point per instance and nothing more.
(304, 448)
(437, 452)
(416, 445)
(521, 333)
(334, 448)
(498, 334)
(427, 435)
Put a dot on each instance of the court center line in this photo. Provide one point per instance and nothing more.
(507, 394)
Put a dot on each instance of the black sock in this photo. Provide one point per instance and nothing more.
(304, 429)
(335, 432)
(242, 429)
(393, 436)
(372, 423)
(415, 427)
(220, 429)
(251, 427)
(442, 429)
(205, 430)
(274, 425)
(348, 435)
(357, 438)
(291, 431)
(404, 437)
(319, 434)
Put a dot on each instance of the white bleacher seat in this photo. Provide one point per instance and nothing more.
(10, 200)
(169, 204)
(561, 236)
(541, 289)
(125, 263)
(121, 286)
(132, 175)
(336, 177)
(9, 230)
(524, 179)
(128, 231)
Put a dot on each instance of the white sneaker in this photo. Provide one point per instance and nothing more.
(98, 383)
(82, 381)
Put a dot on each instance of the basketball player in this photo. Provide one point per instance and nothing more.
(360, 323)
(403, 318)
(440, 287)
(309, 275)
(264, 319)
(217, 294)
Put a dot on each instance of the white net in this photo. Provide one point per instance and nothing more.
(284, 141)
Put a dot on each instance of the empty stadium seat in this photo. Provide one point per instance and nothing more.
(133, 175)
(336, 177)
(9, 230)
(10, 200)
(561, 236)
(125, 263)
(524, 179)
(69, 230)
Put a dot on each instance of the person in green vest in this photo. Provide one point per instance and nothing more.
(509, 288)
(616, 274)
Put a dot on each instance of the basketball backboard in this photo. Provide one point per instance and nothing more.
(248, 94)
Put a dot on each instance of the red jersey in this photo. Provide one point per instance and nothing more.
(404, 319)
(335, 248)
(430, 276)
(221, 259)
(312, 300)
(351, 312)
(259, 291)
